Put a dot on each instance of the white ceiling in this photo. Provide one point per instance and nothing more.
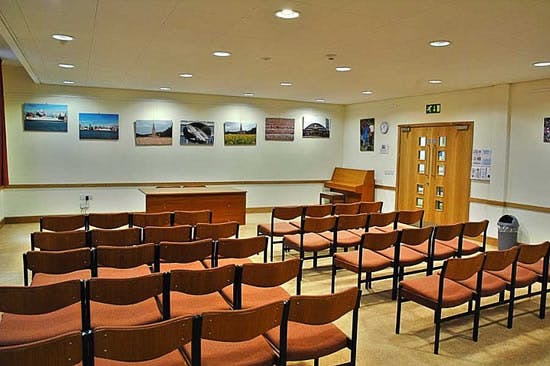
(145, 44)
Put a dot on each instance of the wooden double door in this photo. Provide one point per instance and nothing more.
(434, 163)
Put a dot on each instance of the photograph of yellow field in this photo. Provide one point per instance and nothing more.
(239, 133)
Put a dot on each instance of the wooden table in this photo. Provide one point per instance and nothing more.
(226, 204)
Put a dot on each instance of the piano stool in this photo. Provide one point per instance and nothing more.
(332, 197)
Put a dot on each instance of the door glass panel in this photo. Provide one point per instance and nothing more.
(421, 168)
(419, 202)
(422, 141)
(441, 156)
(439, 191)
(439, 205)
(422, 155)
(420, 188)
(442, 141)
(441, 170)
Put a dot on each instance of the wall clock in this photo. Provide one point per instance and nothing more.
(384, 127)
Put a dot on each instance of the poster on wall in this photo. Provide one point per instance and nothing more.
(239, 133)
(98, 126)
(45, 117)
(315, 127)
(366, 130)
(547, 130)
(153, 132)
(196, 133)
(481, 164)
(279, 129)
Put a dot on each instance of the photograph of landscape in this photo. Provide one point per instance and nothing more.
(45, 117)
(153, 132)
(239, 133)
(315, 127)
(196, 133)
(98, 126)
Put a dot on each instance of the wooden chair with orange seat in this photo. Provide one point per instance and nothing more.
(156, 234)
(146, 345)
(280, 224)
(52, 267)
(126, 301)
(123, 262)
(344, 237)
(382, 222)
(257, 284)
(109, 220)
(192, 218)
(63, 222)
(310, 331)
(39, 312)
(439, 291)
(407, 219)
(367, 258)
(190, 255)
(193, 292)
(234, 337)
(463, 246)
(371, 207)
(542, 269)
(67, 349)
(346, 208)
(216, 231)
(143, 219)
(309, 238)
(115, 237)
(61, 240)
(436, 249)
(239, 251)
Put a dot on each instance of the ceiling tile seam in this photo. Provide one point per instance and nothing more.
(92, 43)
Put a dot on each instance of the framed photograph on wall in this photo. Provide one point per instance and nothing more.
(196, 133)
(315, 127)
(279, 129)
(239, 133)
(153, 132)
(366, 130)
(98, 126)
(546, 137)
(45, 117)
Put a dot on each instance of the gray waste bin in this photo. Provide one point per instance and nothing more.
(507, 232)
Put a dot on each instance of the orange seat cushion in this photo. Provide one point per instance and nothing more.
(312, 242)
(254, 352)
(253, 296)
(182, 304)
(407, 256)
(144, 312)
(536, 267)
(305, 342)
(47, 278)
(441, 251)
(279, 229)
(401, 226)
(195, 266)
(173, 358)
(490, 284)
(227, 261)
(110, 272)
(382, 229)
(18, 329)
(468, 246)
(357, 232)
(524, 277)
(345, 238)
(372, 261)
(425, 290)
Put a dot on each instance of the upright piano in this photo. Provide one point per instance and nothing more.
(355, 184)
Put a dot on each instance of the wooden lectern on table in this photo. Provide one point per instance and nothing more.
(354, 184)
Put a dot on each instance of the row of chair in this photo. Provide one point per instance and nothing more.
(467, 280)
(64, 240)
(123, 261)
(114, 220)
(270, 334)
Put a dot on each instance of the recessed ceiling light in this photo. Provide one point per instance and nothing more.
(343, 68)
(185, 75)
(440, 43)
(435, 81)
(285, 83)
(62, 37)
(367, 92)
(222, 53)
(248, 94)
(320, 100)
(68, 82)
(165, 88)
(287, 14)
(66, 66)
(542, 64)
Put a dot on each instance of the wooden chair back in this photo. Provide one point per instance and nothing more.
(56, 262)
(124, 257)
(382, 219)
(447, 232)
(63, 222)
(371, 207)
(410, 217)
(356, 221)
(241, 248)
(318, 210)
(346, 208)
(460, 269)
(305, 308)
(217, 231)
(156, 234)
(177, 252)
(192, 217)
(111, 220)
(379, 241)
(202, 282)
(318, 224)
(270, 274)
(287, 212)
(124, 291)
(61, 240)
(474, 229)
(143, 219)
(416, 236)
(498, 260)
(532, 253)
(119, 237)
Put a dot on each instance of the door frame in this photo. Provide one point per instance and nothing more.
(470, 124)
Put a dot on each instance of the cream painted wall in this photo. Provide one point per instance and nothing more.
(507, 119)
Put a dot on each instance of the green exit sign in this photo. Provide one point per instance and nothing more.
(433, 108)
